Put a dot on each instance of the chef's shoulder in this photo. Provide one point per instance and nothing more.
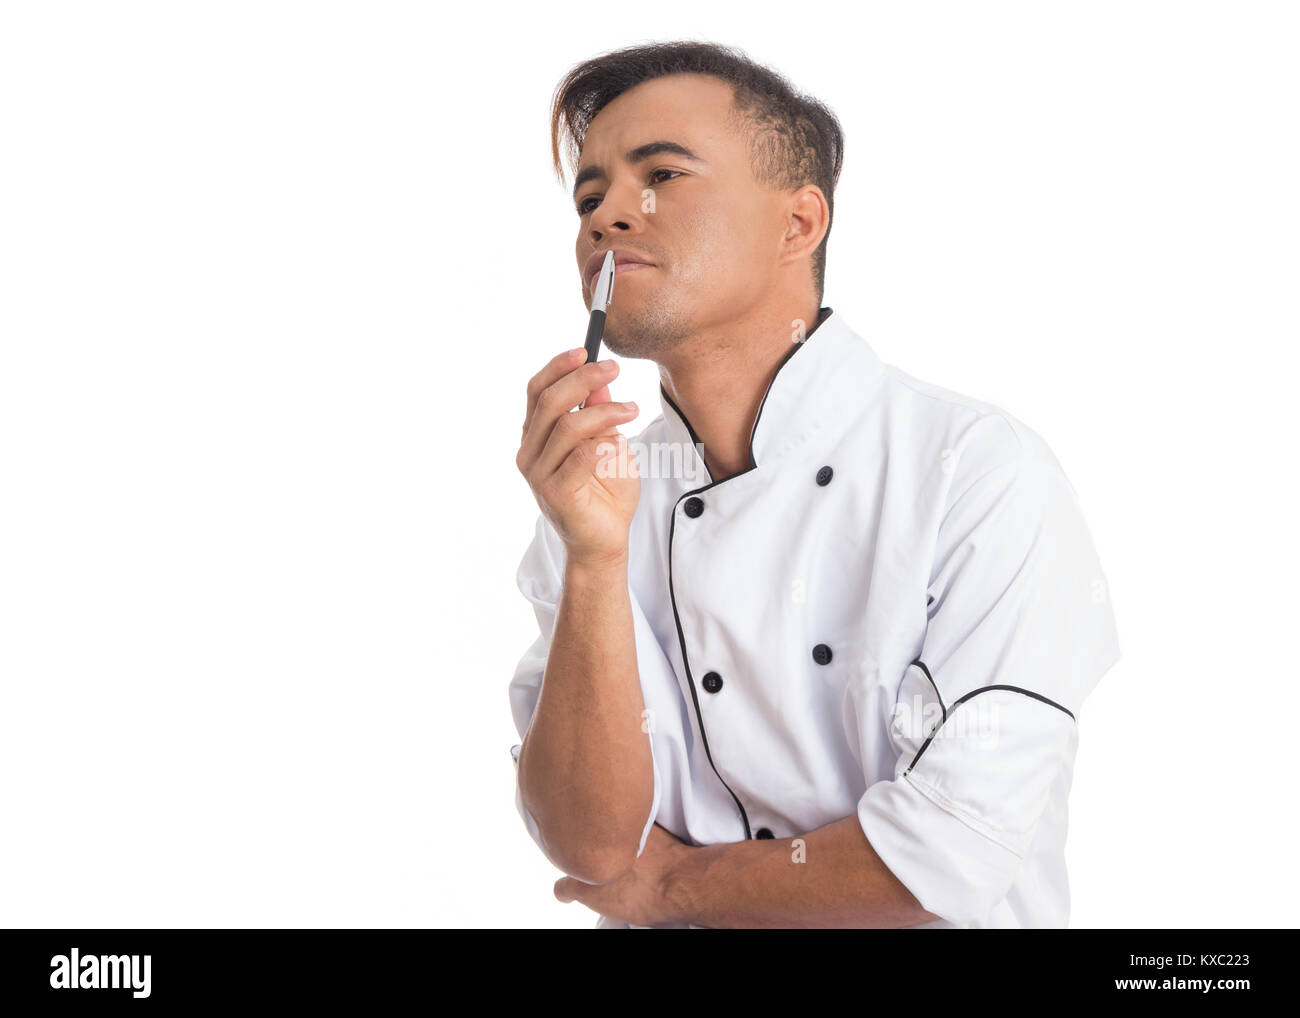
(966, 438)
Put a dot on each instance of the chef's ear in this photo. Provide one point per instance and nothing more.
(807, 218)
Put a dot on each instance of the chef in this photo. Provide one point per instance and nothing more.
(837, 682)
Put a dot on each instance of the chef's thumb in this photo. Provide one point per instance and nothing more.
(564, 889)
(600, 395)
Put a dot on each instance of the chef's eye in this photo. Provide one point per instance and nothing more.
(583, 209)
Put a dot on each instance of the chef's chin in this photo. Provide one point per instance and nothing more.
(644, 332)
(645, 328)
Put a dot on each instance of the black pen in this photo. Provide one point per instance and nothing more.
(601, 297)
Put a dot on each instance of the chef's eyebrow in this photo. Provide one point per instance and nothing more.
(637, 155)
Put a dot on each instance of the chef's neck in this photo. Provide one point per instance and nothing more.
(719, 377)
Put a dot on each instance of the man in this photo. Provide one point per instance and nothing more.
(827, 670)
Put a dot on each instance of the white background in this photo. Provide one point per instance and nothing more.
(273, 277)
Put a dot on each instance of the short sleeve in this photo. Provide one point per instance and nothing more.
(540, 578)
(985, 722)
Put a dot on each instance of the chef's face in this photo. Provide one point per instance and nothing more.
(711, 235)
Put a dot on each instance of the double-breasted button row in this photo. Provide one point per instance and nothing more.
(694, 505)
(712, 681)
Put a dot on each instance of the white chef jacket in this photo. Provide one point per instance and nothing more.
(895, 614)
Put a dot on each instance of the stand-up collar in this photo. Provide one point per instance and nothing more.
(817, 388)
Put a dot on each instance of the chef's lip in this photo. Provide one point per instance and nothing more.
(622, 256)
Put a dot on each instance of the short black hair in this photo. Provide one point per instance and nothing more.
(794, 139)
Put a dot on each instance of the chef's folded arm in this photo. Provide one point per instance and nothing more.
(985, 724)
(540, 578)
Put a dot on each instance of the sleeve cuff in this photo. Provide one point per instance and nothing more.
(952, 869)
(654, 799)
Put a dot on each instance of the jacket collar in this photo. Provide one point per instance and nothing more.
(817, 388)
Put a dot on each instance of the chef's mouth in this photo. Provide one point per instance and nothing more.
(620, 270)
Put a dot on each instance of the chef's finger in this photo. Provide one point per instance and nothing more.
(572, 429)
(605, 455)
(601, 395)
(556, 400)
(556, 368)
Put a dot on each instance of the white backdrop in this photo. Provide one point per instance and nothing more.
(273, 277)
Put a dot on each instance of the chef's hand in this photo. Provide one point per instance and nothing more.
(640, 896)
(582, 471)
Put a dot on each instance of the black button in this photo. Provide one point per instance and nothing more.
(712, 682)
(822, 654)
(824, 476)
(694, 507)
(764, 833)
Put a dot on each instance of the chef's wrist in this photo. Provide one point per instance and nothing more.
(685, 880)
(597, 564)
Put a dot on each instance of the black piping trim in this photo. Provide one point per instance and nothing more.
(794, 349)
(694, 437)
(672, 527)
(975, 692)
(921, 664)
(695, 697)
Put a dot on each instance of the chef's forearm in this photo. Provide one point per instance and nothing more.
(841, 883)
(585, 770)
